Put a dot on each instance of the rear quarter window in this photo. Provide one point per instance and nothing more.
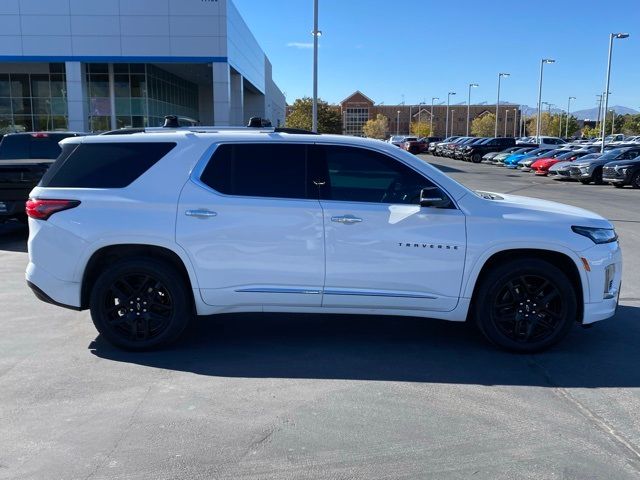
(104, 165)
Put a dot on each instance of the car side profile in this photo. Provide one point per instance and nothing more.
(149, 229)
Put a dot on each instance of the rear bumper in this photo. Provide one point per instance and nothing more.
(50, 289)
(41, 295)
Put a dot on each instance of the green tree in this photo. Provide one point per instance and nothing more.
(590, 132)
(484, 126)
(376, 127)
(329, 118)
(631, 125)
(420, 129)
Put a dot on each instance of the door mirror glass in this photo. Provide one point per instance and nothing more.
(433, 197)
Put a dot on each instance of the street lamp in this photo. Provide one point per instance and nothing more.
(398, 124)
(500, 75)
(471, 85)
(549, 116)
(431, 123)
(515, 122)
(316, 33)
(542, 62)
(446, 123)
(606, 90)
(452, 112)
(566, 128)
(613, 120)
(506, 118)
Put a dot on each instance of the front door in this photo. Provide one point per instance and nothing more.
(252, 225)
(383, 250)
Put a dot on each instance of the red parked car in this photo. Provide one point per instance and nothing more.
(419, 145)
(542, 165)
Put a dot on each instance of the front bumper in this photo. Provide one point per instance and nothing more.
(603, 288)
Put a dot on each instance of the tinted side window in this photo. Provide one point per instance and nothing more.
(14, 147)
(360, 175)
(104, 165)
(259, 170)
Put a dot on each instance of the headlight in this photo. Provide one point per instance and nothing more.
(622, 170)
(597, 235)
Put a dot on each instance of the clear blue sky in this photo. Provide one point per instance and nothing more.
(423, 48)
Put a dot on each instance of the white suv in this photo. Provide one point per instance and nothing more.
(151, 228)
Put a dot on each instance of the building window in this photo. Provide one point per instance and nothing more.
(32, 102)
(354, 119)
(144, 94)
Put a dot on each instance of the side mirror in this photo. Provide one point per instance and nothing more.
(433, 197)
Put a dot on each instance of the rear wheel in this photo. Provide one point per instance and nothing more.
(525, 305)
(140, 304)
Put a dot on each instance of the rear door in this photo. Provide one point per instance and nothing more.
(252, 225)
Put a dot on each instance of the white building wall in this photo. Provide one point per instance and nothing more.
(149, 31)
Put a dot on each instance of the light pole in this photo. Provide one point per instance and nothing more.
(606, 90)
(471, 85)
(599, 97)
(446, 124)
(613, 120)
(398, 124)
(542, 62)
(515, 121)
(549, 117)
(566, 128)
(431, 123)
(452, 112)
(506, 118)
(316, 33)
(500, 75)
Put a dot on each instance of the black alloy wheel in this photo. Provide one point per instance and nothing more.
(526, 305)
(476, 158)
(140, 304)
(635, 181)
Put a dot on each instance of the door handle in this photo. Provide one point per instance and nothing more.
(200, 213)
(346, 219)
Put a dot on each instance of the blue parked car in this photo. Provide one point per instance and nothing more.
(512, 161)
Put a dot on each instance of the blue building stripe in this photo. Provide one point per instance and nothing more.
(109, 59)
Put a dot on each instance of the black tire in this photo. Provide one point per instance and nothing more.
(476, 158)
(525, 305)
(585, 182)
(635, 180)
(618, 185)
(158, 300)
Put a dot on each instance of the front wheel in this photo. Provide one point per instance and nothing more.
(635, 181)
(525, 305)
(585, 182)
(140, 304)
(476, 158)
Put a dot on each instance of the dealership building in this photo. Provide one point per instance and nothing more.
(94, 65)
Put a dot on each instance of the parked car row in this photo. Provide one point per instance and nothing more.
(413, 145)
(580, 161)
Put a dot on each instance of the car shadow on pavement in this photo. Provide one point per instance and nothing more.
(13, 237)
(392, 349)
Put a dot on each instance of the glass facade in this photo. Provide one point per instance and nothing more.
(354, 120)
(143, 95)
(31, 102)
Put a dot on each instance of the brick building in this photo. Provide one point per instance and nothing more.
(357, 108)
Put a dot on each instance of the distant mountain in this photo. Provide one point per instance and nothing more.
(592, 113)
(588, 114)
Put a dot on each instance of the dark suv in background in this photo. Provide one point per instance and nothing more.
(476, 151)
(622, 172)
(24, 158)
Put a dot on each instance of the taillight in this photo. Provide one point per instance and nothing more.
(43, 208)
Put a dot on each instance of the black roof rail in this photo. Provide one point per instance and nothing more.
(299, 131)
(123, 131)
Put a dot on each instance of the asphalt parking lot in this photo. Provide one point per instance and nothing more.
(297, 396)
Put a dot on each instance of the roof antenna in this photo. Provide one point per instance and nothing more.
(171, 121)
